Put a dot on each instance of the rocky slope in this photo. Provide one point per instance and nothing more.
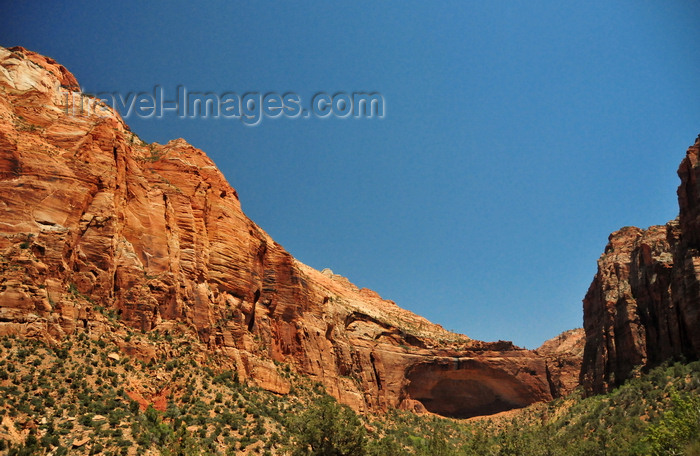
(93, 219)
(643, 306)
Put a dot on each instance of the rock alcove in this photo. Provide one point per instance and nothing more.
(463, 388)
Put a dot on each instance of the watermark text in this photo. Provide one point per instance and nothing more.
(250, 107)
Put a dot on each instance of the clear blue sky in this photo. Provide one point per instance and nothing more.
(517, 134)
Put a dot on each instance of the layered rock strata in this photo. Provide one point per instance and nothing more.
(95, 221)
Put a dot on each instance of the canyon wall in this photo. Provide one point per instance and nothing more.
(95, 222)
(643, 306)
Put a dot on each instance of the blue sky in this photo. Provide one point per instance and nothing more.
(517, 134)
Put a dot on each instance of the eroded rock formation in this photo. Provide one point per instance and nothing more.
(643, 306)
(92, 218)
(563, 355)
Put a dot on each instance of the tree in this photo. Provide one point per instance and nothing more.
(437, 444)
(182, 444)
(679, 427)
(384, 447)
(328, 429)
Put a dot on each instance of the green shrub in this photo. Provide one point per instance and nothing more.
(328, 429)
(678, 428)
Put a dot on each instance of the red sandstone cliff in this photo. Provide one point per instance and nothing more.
(643, 306)
(563, 354)
(91, 216)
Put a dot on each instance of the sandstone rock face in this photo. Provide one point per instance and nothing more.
(92, 218)
(643, 305)
(563, 355)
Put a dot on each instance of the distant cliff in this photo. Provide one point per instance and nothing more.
(643, 306)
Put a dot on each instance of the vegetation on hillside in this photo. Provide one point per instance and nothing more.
(86, 397)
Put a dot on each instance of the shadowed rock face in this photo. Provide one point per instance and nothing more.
(643, 306)
(492, 382)
(91, 217)
(463, 388)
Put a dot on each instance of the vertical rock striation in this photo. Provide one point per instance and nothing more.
(643, 306)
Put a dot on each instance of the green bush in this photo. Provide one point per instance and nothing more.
(678, 428)
(328, 429)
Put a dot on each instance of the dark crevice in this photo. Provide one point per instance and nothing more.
(115, 286)
(552, 387)
(376, 373)
(251, 321)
